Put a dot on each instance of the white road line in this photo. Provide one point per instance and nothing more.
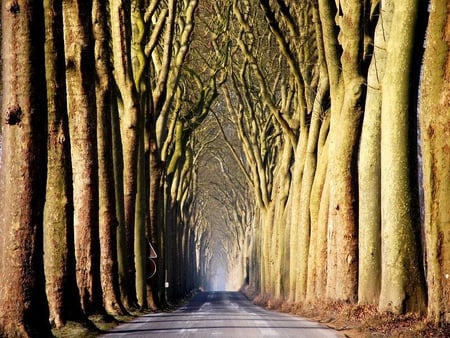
(265, 330)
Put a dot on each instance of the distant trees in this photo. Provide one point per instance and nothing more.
(223, 206)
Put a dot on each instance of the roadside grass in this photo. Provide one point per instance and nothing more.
(100, 324)
(97, 325)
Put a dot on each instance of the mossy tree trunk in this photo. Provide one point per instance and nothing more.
(108, 222)
(369, 170)
(402, 286)
(434, 131)
(59, 260)
(130, 145)
(129, 112)
(347, 90)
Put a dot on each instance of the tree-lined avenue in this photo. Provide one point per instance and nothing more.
(297, 150)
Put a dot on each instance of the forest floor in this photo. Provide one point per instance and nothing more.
(355, 321)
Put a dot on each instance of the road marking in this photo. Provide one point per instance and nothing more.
(268, 332)
(181, 331)
(204, 306)
(264, 329)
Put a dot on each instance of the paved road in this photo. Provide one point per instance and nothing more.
(221, 314)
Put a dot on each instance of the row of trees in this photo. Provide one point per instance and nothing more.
(341, 109)
(100, 101)
(342, 112)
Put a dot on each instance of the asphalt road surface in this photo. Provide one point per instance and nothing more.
(221, 314)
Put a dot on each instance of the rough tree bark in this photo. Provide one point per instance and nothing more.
(23, 304)
(347, 93)
(435, 130)
(59, 259)
(81, 106)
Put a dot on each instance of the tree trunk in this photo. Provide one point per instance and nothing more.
(318, 158)
(344, 134)
(108, 223)
(307, 199)
(434, 131)
(319, 219)
(59, 257)
(155, 212)
(140, 224)
(23, 304)
(296, 247)
(280, 196)
(332, 57)
(402, 286)
(369, 171)
(81, 105)
(129, 115)
(118, 187)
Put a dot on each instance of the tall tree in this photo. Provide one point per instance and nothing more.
(23, 304)
(316, 168)
(402, 285)
(81, 106)
(59, 260)
(434, 131)
(346, 73)
(107, 202)
(129, 112)
(369, 170)
(266, 125)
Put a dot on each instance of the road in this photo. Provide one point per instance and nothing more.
(221, 314)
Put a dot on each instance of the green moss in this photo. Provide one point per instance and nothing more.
(97, 324)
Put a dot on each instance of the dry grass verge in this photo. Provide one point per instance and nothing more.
(356, 321)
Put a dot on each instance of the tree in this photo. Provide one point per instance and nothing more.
(402, 287)
(434, 128)
(267, 136)
(346, 73)
(107, 202)
(81, 107)
(23, 304)
(369, 170)
(59, 260)
(129, 110)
